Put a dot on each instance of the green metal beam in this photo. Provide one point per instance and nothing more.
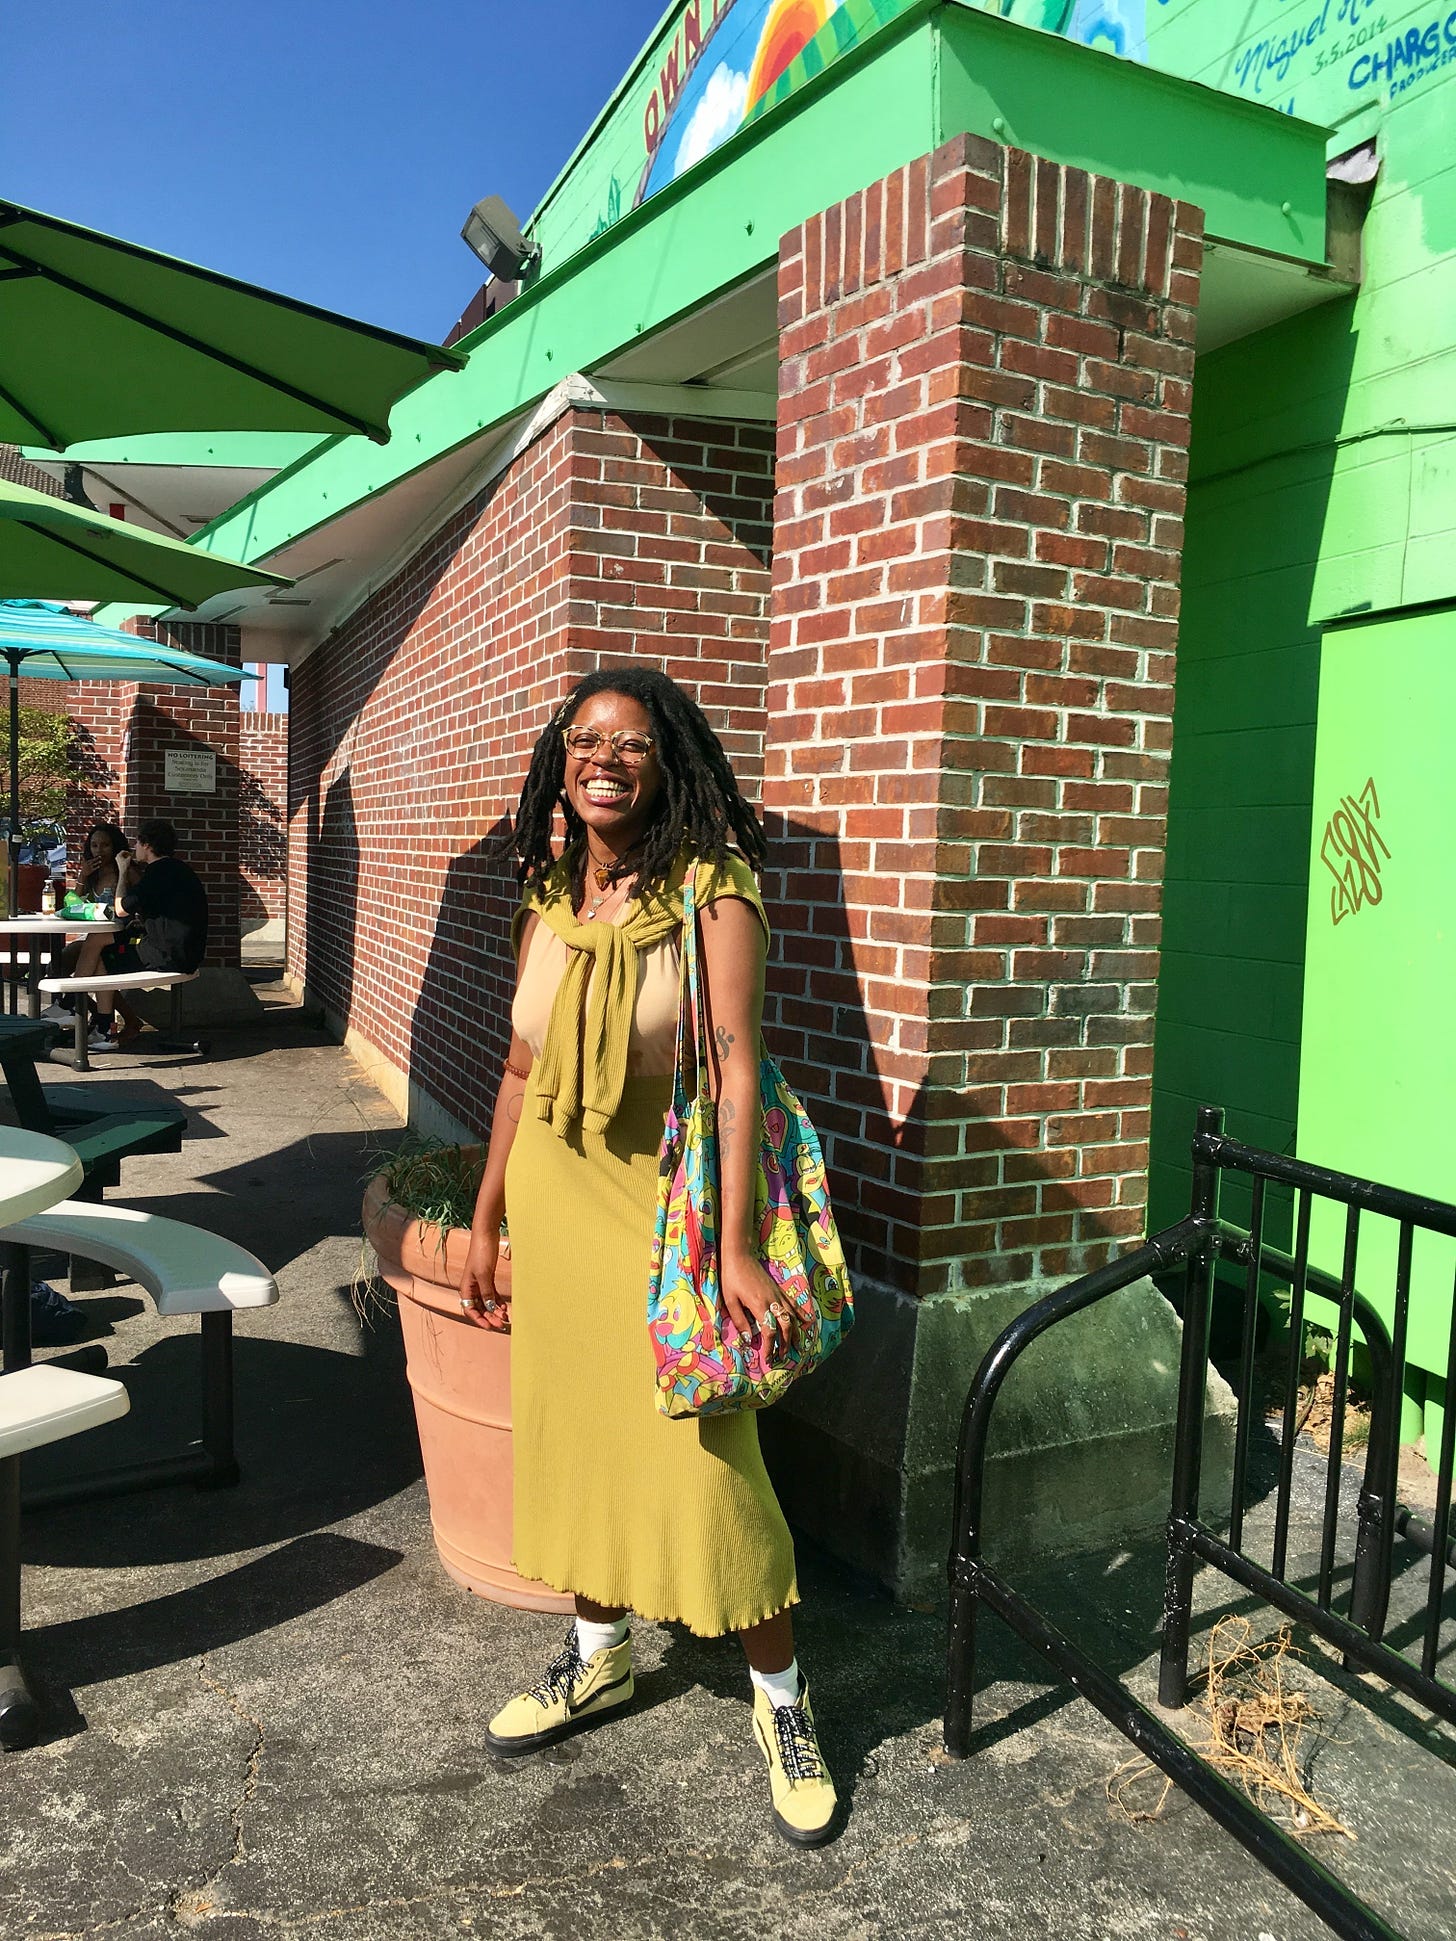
(1258, 176)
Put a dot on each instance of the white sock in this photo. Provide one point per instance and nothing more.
(781, 1687)
(598, 1637)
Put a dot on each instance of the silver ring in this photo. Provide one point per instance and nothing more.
(490, 1307)
(466, 1302)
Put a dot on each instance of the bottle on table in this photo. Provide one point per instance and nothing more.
(48, 897)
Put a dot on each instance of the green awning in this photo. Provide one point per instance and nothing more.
(99, 337)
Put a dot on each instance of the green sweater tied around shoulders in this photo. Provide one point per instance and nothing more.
(583, 1063)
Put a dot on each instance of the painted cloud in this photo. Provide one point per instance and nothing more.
(717, 116)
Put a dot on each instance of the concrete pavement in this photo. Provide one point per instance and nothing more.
(267, 1702)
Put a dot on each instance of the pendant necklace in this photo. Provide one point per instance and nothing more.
(603, 876)
(603, 880)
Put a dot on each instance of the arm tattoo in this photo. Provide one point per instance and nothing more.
(727, 1125)
(725, 1040)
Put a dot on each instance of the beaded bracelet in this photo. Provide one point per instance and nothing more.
(515, 1070)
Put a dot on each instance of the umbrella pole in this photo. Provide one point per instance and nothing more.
(14, 830)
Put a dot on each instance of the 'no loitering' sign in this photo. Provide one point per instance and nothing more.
(190, 771)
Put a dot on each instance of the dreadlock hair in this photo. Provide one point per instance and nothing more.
(699, 804)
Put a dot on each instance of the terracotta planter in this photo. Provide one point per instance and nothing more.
(460, 1377)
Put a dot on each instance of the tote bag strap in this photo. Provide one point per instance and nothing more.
(692, 1016)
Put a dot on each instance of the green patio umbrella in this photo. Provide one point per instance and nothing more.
(46, 641)
(49, 546)
(100, 337)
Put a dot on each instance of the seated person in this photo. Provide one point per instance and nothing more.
(167, 906)
(98, 874)
(97, 879)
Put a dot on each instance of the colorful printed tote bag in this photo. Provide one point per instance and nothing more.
(704, 1364)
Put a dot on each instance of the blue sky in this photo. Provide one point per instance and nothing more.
(328, 150)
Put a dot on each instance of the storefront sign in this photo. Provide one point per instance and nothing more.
(190, 771)
(719, 64)
(716, 66)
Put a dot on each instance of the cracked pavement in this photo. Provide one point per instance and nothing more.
(265, 1704)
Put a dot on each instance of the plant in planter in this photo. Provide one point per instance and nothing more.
(417, 1214)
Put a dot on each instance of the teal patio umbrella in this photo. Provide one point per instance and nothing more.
(99, 337)
(47, 642)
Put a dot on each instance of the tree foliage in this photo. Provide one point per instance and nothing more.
(46, 765)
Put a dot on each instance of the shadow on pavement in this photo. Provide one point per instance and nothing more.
(322, 1434)
(289, 1582)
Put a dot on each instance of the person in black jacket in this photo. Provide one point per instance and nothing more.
(167, 906)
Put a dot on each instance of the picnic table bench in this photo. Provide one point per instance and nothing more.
(76, 1113)
(84, 988)
(79, 1114)
(186, 1270)
(37, 1405)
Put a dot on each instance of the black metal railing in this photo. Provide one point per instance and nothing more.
(1200, 1244)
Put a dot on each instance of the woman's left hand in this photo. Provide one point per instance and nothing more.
(751, 1300)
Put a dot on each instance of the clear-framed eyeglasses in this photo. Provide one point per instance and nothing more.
(586, 744)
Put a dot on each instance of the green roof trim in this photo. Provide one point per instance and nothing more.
(1257, 175)
(937, 69)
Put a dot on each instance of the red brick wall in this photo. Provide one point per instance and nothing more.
(125, 731)
(263, 808)
(606, 541)
(983, 428)
(47, 696)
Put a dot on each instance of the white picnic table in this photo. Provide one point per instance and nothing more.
(35, 1172)
(185, 1269)
(59, 925)
(37, 1405)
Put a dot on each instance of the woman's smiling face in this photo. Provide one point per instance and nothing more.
(614, 799)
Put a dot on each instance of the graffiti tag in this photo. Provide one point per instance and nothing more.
(1353, 850)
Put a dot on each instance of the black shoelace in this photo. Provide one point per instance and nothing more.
(798, 1748)
(561, 1674)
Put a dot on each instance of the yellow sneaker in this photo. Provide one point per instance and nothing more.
(571, 1696)
(803, 1794)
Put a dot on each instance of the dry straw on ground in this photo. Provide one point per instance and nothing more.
(1254, 1726)
(1318, 1417)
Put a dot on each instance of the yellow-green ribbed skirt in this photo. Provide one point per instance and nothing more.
(672, 1519)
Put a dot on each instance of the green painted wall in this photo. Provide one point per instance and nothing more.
(1378, 1075)
(1325, 60)
(1324, 479)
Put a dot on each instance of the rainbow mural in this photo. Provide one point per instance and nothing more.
(717, 65)
(750, 45)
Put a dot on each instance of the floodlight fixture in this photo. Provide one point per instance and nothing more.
(493, 233)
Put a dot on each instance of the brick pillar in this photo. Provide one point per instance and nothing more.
(986, 380)
(985, 386)
(125, 731)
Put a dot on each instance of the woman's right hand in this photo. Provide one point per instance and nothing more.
(479, 1301)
